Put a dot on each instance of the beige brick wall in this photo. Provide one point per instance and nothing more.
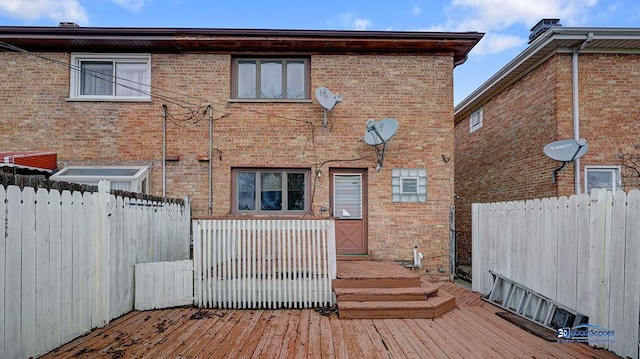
(416, 90)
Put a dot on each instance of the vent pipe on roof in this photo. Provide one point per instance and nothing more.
(541, 27)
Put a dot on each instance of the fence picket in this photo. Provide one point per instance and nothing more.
(43, 280)
(28, 294)
(13, 275)
(3, 263)
(630, 335)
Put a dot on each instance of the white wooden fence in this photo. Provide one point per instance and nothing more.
(264, 263)
(582, 251)
(67, 261)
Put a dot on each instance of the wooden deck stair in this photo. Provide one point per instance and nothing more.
(375, 290)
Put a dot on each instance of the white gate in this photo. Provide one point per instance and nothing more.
(163, 284)
(264, 263)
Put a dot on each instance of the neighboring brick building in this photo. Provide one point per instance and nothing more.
(529, 103)
(272, 155)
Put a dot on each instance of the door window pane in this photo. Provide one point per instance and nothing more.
(246, 79)
(96, 78)
(246, 182)
(271, 191)
(271, 79)
(347, 196)
(295, 192)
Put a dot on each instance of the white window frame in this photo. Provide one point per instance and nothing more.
(138, 182)
(614, 172)
(76, 78)
(475, 120)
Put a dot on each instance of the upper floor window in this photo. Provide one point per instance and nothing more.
(110, 76)
(271, 191)
(607, 177)
(475, 120)
(271, 78)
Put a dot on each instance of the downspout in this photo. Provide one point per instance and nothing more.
(164, 150)
(576, 108)
(210, 159)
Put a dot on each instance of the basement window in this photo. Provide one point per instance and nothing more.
(409, 185)
(125, 178)
(475, 120)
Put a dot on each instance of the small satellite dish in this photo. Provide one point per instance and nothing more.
(380, 132)
(327, 100)
(566, 150)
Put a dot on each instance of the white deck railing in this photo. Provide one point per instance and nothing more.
(243, 263)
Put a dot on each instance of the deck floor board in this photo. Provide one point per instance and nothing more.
(472, 330)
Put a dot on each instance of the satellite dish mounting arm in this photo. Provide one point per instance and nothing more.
(379, 152)
(564, 163)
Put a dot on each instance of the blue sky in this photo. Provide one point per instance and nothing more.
(505, 22)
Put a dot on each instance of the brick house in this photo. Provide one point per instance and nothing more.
(568, 83)
(229, 118)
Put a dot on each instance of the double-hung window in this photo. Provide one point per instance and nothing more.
(271, 78)
(271, 191)
(110, 77)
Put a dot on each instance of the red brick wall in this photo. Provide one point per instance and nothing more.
(416, 90)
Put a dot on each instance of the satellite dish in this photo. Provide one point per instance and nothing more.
(327, 100)
(380, 132)
(566, 150)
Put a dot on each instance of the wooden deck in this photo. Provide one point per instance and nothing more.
(473, 330)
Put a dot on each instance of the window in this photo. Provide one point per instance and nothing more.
(607, 177)
(475, 120)
(110, 77)
(271, 79)
(409, 185)
(271, 191)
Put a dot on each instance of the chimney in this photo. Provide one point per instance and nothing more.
(541, 27)
(67, 24)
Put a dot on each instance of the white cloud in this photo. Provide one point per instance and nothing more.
(496, 43)
(56, 10)
(350, 21)
(496, 17)
(132, 5)
(416, 10)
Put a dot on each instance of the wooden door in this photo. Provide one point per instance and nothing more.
(349, 208)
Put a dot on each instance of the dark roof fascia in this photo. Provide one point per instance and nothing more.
(555, 40)
(205, 39)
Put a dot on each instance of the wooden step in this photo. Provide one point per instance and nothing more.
(429, 308)
(380, 294)
(401, 282)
